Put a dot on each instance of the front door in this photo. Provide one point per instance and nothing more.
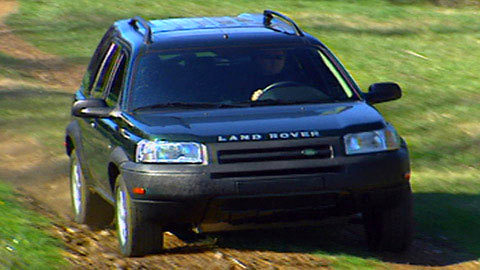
(100, 133)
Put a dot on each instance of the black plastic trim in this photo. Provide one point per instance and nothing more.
(145, 24)
(268, 16)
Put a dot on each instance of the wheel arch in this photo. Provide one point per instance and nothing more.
(72, 137)
(117, 157)
(113, 172)
(69, 146)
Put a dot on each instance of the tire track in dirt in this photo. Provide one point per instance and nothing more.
(47, 70)
(25, 162)
(37, 173)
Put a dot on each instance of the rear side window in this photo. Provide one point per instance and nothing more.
(96, 61)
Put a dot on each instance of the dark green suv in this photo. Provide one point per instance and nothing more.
(207, 124)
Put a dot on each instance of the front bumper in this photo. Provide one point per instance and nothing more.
(195, 194)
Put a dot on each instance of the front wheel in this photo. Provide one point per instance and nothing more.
(137, 237)
(391, 228)
(88, 207)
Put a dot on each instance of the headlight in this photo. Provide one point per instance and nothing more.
(372, 141)
(169, 152)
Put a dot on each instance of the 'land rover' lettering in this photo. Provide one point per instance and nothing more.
(294, 134)
(272, 136)
(269, 136)
(305, 134)
(244, 137)
(256, 137)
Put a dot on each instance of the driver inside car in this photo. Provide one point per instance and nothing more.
(271, 68)
(270, 62)
(275, 67)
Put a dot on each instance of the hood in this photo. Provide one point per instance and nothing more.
(258, 123)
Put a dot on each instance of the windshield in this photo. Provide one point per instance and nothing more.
(232, 76)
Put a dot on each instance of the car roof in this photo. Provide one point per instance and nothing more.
(245, 29)
(241, 21)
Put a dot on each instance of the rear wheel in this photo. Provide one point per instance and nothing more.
(391, 228)
(136, 236)
(88, 207)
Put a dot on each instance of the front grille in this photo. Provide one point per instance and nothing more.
(280, 172)
(274, 154)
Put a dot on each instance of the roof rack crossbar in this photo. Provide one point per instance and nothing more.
(145, 24)
(268, 16)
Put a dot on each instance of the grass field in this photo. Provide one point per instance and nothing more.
(24, 244)
(431, 51)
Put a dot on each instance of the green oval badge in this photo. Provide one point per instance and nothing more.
(309, 152)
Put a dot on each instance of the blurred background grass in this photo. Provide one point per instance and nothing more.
(431, 48)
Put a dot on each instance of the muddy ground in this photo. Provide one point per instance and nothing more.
(37, 174)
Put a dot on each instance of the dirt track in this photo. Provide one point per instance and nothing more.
(40, 172)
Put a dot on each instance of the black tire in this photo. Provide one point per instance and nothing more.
(140, 237)
(391, 228)
(92, 209)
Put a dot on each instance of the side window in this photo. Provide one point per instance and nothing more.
(117, 81)
(102, 76)
(96, 61)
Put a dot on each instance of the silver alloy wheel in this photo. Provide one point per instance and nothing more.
(76, 183)
(122, 213)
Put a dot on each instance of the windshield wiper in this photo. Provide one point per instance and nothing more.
(195, 105)
(186, 105)
(269, 102)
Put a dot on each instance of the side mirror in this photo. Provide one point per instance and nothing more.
(91, 107)
(381, 92)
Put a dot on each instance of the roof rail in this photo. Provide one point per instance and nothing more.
(145, 24)
(268, 16)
